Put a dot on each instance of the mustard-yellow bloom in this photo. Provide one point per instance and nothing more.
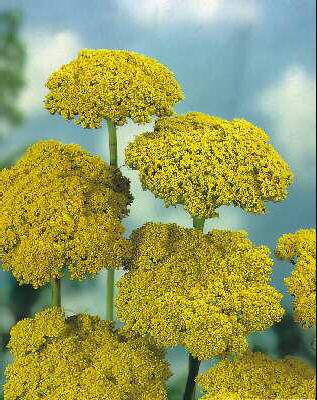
(113, 84)
(205, 162)
(205, 292)
(223, 395)
(300, 249)
(257, 377)
(60, 207)
(82, 358)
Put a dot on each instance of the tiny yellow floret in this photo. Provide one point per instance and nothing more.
(300, 249)
(205, 292)
(204, 162)
(60, 207)
(82, 358)
(257, 377)
(112, 84)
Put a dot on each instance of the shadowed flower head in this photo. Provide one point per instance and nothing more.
(61, 207)
(300, 249)
(205, 162)
(205, 292)
(113, 84)
(255, 376)
(79, 358)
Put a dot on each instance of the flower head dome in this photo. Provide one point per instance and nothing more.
(61, 207)
(205, 162)
(82, 357)
(255, 376)
(300, 249)
(113, 84)
(205, 292)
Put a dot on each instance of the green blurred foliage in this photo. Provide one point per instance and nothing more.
(12, 61)
(175, 390)
(292, 340)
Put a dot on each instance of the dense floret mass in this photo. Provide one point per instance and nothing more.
(205, 162)
(205, 292)
(300, 249)
(223, 396)
(255, 376)
(61, 207)
(82, 358)
(113, 84)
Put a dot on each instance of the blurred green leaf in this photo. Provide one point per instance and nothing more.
(12, 62)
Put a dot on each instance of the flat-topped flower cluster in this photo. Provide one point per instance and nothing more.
(204, 162)
(300, 249)
(256, 376)
(113, 84)
(61, 207)
(82, 357)
(206, 292)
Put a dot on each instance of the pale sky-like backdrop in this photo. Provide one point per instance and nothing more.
(233, 58)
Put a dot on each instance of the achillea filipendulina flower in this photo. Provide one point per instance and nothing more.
(223, 396)
(205, 162)
(255, 376)
(61, 207)
(205, 292)
(82, 358)
(300, 249)
(113, 84)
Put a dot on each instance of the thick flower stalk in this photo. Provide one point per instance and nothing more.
(112, 84)
(61, 208)
(255, 376)
(82, 357)
(205, 292)
(300, 249)
(205, 162)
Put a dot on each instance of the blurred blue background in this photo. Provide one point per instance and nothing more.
(241, 58)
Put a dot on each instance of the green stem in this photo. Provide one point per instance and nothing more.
(193, 368)
(56, 292)
(199, 223)
(113, 152)
(112, 143)
(194, 363)
(110, 294)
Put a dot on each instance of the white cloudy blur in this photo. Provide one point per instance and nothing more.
(149, 12)
(46, 51)
(290, 103)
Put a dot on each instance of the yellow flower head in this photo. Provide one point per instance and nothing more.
(223, 395)
(205, 292)
(82, 357)
(205, 162)
(61, 207)
(113, 84)
(255, 376)
(300, 249)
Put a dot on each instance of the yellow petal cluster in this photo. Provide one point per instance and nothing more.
(61, 207)
(205, 162)
(223, 395)
(300, 249)
(113, 84)
(257, 377)
(205, 292)
(81, 358)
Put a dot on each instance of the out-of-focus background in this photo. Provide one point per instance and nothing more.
(240, 58)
